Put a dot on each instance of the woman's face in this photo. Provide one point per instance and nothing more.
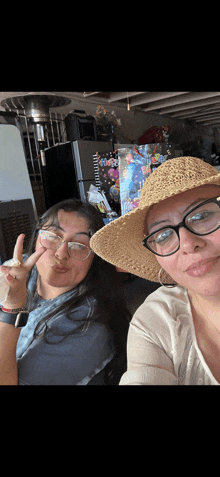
(55, 267)
(196, 265)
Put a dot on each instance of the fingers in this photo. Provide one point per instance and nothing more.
(18, 250)
(11, 280)
(7, 271)
(10, 277)
(14, 276)
(11, 273)
(30, 262)
(18, 253)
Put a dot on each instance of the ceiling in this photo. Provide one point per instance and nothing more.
(202, 107)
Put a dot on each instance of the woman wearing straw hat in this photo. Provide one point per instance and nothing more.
(172, 238)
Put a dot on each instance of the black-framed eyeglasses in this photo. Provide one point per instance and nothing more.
(201, 220)
(52, 241)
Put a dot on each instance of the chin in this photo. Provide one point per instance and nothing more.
(207, 287)
(56, 282)
(63, 282)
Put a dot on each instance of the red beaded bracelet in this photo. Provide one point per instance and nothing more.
(14, 310)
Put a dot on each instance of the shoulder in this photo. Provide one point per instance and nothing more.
(162, 312)
(157, 337)
(164, 302)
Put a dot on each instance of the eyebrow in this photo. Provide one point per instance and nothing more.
(156, 223)
(194, 203)
(184, 212)
(58, 227)
(83, 233)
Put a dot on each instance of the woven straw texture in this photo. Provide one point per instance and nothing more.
(119, 242)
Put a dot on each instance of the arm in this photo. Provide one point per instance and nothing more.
(16, 278)
(148, 363)
(8, 341)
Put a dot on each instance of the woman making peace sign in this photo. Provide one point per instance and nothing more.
(77, 324)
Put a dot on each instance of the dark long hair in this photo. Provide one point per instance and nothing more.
(102, 281)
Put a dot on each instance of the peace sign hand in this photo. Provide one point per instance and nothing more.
(16, 276)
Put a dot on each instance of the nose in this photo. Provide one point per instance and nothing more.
(189, 242)
(62, 252)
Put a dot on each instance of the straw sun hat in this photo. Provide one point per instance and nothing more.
(119, 242)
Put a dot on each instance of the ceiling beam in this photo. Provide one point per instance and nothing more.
(208, 113)
(214, 124)
(155, 96)
(203, 102)
(91, 94)
(122, 95)
(180, 100)
(197, 111)
(198, 114)
(187, 114)
(207, 118)
(203, 118)
(213, 107)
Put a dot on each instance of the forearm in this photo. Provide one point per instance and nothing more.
(16, 278)
(8, 341)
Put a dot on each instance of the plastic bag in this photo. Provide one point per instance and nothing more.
(4, 286)
(98, 199)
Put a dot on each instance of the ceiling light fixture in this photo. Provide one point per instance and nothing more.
(128, 104)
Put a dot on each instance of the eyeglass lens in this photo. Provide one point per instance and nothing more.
(76, 250)
(202, 221)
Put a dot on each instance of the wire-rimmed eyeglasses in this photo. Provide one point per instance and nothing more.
(201, 220)
(52, 241)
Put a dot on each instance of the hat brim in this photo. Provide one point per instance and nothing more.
(119, 242)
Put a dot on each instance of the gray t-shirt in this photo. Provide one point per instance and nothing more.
(73, 360)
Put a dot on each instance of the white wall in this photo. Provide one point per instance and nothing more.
(14, 178)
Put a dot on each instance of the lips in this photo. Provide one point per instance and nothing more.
(201, 267)
(58, 269)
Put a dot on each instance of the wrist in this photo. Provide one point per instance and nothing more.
(12, 305)
(12, 310)
(15, 300)
(18, 320)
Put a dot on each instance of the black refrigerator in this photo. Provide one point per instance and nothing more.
(69, 169)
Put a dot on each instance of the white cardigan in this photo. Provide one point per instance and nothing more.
(162, 346)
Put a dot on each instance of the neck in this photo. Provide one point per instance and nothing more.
(208, 307)
(212, 301)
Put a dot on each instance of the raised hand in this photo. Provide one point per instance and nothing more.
(16, 276)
